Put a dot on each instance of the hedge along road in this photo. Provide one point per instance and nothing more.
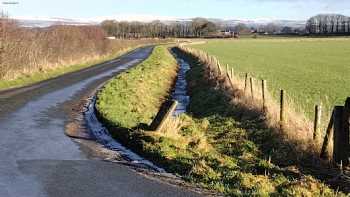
(38, 159)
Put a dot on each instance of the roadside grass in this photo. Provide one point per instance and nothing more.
(210, 146)
(28, 76)
(134, 97)
(311, 70)
(28, 79)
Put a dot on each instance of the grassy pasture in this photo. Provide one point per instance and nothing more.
(310, 70)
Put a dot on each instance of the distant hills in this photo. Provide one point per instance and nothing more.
(259, 22)
(45, 22)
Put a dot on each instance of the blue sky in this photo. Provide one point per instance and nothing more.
(228, 9)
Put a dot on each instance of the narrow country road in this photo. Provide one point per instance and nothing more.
(37, 159)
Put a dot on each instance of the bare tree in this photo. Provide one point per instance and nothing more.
(328, 24)
(198, 27)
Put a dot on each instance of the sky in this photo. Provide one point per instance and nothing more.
(170, 9)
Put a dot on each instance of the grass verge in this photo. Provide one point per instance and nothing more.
(49, 73)
(210, 145)
(36, 77)
(134, 97)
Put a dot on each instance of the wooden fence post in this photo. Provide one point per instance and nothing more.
(346, 126)
(163, 115)
(340, 139)
(340, 122)
(327, 139)
(317, 121)
(282, 107)
(263, 92)
(245, 82)
(251, 87)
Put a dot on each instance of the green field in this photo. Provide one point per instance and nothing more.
(310, 70)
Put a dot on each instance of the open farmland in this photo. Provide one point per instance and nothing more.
(310, 70)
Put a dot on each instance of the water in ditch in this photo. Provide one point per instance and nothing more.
(180, 90)
(101, 134)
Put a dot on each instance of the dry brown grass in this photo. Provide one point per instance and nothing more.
(26, 51)
(172, 130)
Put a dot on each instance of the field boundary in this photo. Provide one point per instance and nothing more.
(280, 116)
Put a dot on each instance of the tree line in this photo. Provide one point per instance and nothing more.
(328, 24)
(201, 27)
(198, 27)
